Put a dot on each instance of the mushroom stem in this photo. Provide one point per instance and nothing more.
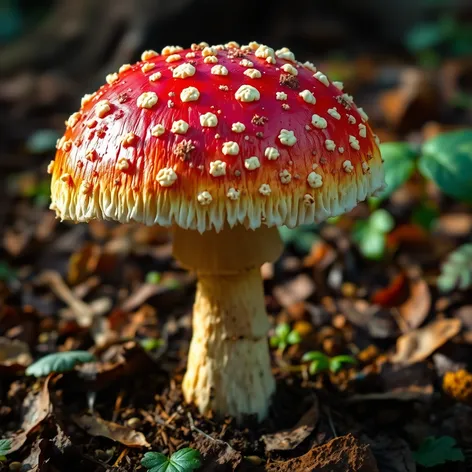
(229, 370)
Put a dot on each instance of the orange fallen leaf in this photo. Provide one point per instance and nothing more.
(393, 294)
(417, 345)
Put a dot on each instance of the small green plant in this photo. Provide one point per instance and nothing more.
(302, 237)
(319, 362)
(284, 336)
(435, 451)
(5, 446)
(446, 36)
(371, 234)
(58, 362)
(153, 278)
(149, 344)
(185, 460)
(456, 272)
(7, 274)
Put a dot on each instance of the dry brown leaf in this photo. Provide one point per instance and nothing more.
(416, 308)
(36, 460)
(419, 344)
(36, 408)
(290, 438)
(96, 426)
(14, 355)
(293, 291)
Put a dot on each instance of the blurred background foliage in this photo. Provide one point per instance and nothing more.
(409, 63)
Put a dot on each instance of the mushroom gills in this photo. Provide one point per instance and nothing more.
(228, 370)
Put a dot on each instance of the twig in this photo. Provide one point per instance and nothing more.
(120, 457)
(82, 312)
(194, 428)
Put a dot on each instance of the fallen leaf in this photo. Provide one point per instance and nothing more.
(392, 454)
(290, 438)
(36, 408)
(96, 426)
(392, 294)
(14, 355)
(117, 361)
(296, 290)
(417, 345)
(456, 225)
(378, 322)
(417, 306)
(400, 383)
(36, 460)
(342, 454)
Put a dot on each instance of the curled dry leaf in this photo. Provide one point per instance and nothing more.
(36, 408)
(96, 426)
(417, 306)
(417, 345)
(290, 438)
(36, 460)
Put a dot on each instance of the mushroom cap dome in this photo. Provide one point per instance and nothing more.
(213, 136)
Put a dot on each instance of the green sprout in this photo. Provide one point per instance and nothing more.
(284, 336)
(319, 362)
(153, 278)
(371, 234)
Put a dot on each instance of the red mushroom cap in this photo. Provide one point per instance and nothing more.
(218, 135)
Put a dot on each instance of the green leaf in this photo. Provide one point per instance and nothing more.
(425, 215)
(5, 446)
(149, 344)
(153, 278)
(274, 341)
(399, 164)
(372, 244)
(294, 337)
(456, 272)
(184, 460)
(336, 363)
(302, 237)
(59, 362)
(447, 160)
(42, 141)
(424, 36)
(435, 451)
(282, 331)
(6, 272)
(314, 356)
(381, 220)
(318, 366)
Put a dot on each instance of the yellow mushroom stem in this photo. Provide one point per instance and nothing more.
(228, 370)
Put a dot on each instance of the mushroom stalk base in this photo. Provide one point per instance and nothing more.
(228, 369)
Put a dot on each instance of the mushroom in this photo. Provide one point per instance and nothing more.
(223, 144)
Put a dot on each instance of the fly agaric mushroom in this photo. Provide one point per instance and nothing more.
(223, 144)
